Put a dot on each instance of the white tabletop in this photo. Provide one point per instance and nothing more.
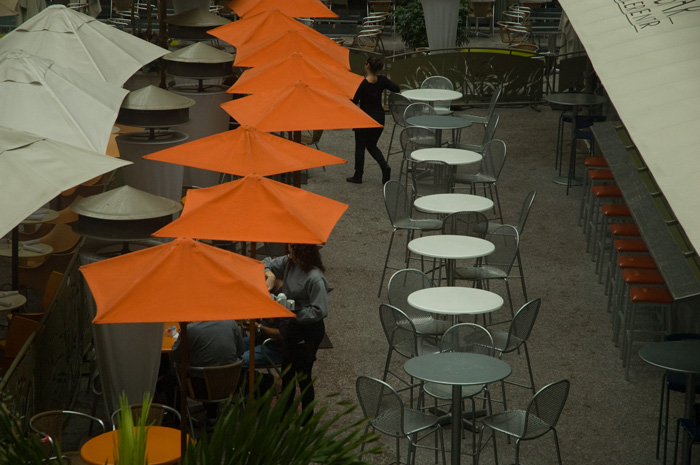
(31, 251)
(439, 122)
(11, 302)
(451, 246)
(455, 300)
(452, 203)
(432, 95)
(448, 155)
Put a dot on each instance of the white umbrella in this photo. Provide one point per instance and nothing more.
(34, 170)
(75, 40)
(58, 103)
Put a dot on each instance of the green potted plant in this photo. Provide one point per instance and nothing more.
(410, 23)
(131, 444)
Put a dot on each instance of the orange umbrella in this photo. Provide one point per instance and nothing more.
(243, 151)
(256, 209)
(182, 280)
(292, 68)
(295, 8)
(298, 107)
(307, 41)
(257, 27)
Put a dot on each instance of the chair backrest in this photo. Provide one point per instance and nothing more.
(547, 405)
(431, 177)
(491, 127)
(521, 325)
(466, 224)
(467, 337)
(494, 157)
(53, 423)
(156, 414)
(525, 211)
(19, 330)
(52, 285)
(221, 381)
(397, 202)
(413, 138)
(61, 238)
(494, 101)
(399, 330)
(397, 107)
(401, 285)
(417, 109)
(437, 82)
(378, 399)
(506, 240)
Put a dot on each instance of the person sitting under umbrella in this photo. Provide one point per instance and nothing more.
(302, 280)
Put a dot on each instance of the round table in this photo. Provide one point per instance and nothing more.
(575, 100)
(448, 155)
(452, 203)
(451, 247)
(455, 301)
(681, 357)
(457, 369)
(162, 447)
(431, 95)
(439, 123)
(11, 302)
(29, 256)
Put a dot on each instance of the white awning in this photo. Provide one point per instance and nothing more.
(647, 55)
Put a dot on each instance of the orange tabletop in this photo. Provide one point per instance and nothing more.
(162, 447)
(168, 339)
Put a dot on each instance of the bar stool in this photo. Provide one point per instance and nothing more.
(628, 278)
(620, 231)
(589, 163)
(594, 177)
(655, 303)
(607, 214)
(601, 195)
(622, 246)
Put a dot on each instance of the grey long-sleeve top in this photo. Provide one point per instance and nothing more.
(309, 290)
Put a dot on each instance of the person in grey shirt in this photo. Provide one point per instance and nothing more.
(211, 344)
(299, 275)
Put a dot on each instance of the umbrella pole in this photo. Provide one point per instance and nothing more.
(296, 176)
(184, 361)
(253, 247)
(251, 358)
(15, 258)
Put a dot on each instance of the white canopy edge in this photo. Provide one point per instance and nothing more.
(647, 55)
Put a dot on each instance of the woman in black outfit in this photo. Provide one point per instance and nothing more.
(369, 96)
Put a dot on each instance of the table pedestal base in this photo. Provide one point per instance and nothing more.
(564, 181)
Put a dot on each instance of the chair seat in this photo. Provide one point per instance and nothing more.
(414, 421)
(443, 391)
(624, 229)
(595, 161)
(636, 261)
(642, 276)
(500, 338)
(480, 272)
(654, 295)
(513, 423)
(472, 178)
(431, 326)
(420, 224)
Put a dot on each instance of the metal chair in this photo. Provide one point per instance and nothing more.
(398, 206)
(157, 415)
(414, 138)
(53, 423)
(397, 106)
(402, 337)
(439, 82)
(518, 333)
(498, 264)
(385, 410)
(466, 223)
(520, 227)
(490, 112)
(470, 338)
(212, 384)
(417, 109)
(401, 285)
(494, 157)
(431, 177)
(689, 427)
(539, 418)
(489, 132)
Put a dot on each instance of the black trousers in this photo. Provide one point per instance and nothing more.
(366, 139)
(299, 347)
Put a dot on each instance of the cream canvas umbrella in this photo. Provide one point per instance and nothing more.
(39, 96)
(34, 170)
(75, 40)
(7, 8)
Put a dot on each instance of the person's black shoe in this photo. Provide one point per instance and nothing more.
(386, 175)
(353, 179)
